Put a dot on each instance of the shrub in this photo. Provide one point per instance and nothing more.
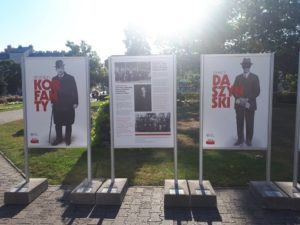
(101, 129)
(3, 100)
(10, 98)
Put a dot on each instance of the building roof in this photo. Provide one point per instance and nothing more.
(4, 56)
(19, 49)
(47, 53)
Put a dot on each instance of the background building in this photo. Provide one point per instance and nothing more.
(15, 54)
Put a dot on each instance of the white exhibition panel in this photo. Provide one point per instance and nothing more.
(39, 72)
(143, 101)
(222, 83)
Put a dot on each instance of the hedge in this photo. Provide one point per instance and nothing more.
(12, 98)
(101, 129)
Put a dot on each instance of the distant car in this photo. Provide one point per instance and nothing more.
(102, 96)
(95, 94)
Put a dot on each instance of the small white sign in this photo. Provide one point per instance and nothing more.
(84, 189)
(203, 192)
(17, 189)
(273, 193)
(296, 195)
(109, 190)
(174, 191)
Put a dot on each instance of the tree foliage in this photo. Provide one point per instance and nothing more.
(243, 26)
(10, 77)
(267, 26)
(98, 74)
(136, 42)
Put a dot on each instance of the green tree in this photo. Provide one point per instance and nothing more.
(98, 74)
(136, 42)
(243, 26)
(10, 77)
(267, 26)
(3, 86)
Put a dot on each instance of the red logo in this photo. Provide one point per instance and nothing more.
(210, 142)
(34, 141)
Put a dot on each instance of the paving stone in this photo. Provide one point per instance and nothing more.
(142, 205)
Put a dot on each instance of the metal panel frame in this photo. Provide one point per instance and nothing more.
(297, 132)
(26, 150)
(268, 160)
(89, 150)
(201, 119)
(175, 119)
(111, 97)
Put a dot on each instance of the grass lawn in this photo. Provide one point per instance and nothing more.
(152, 166)
(10, 106)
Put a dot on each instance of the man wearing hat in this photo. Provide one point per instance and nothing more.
(64, 99)
(247, 90)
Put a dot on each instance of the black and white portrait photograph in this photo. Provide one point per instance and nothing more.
(132, 72)
(142, 97)
(152, 122)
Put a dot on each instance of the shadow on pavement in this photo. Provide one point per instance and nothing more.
(197, 214)
(208, 215)
(107, 212)
(89, 211)
(178, 214)
(9, 211)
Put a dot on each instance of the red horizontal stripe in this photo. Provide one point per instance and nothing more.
(151, 134)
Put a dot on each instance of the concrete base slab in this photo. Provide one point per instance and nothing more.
(202, 195)
(112, 193)
(24, 193)
(292, 192)
(85, 192)
(269, 195)
(176, 195)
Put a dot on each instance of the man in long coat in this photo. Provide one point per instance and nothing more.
(64, 98)
(246, 90)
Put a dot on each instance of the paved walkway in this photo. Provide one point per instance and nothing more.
(9, 116)
(142, 205)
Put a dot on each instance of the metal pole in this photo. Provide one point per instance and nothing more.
(26, 150)
(89, 154)
(296, 145)
(112, 151)
(268, 161)
(175, 121)
(201, 122)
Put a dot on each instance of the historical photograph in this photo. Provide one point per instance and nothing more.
(142, 97)
(152, 122)
(132, 71)
(64, 99)
(247, 89)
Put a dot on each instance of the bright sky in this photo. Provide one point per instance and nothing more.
(48, 24)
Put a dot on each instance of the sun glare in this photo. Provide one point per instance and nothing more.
(158, 18)
(167, 17)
